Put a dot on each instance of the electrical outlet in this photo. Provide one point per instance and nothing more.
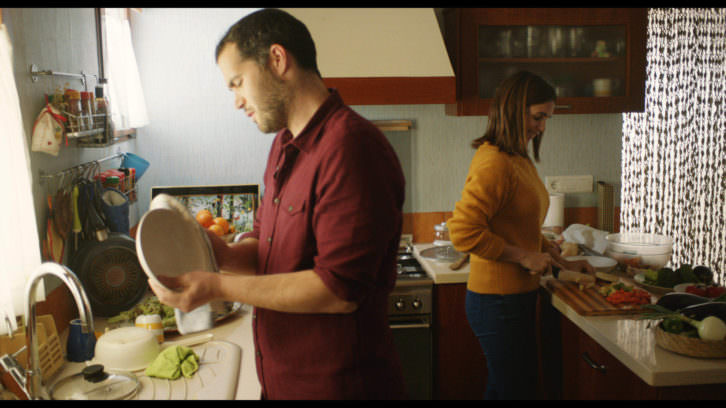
(569, 184)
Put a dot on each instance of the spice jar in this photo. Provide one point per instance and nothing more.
(73, 101)
(87, 108)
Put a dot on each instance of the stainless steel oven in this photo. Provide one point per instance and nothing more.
(410, 318)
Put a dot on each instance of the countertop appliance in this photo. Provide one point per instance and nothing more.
(410, 318)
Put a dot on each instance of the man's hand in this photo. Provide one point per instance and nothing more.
(188, 291)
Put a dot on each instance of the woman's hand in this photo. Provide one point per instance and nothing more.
(578, 266)
(538, 262)
(188, 291)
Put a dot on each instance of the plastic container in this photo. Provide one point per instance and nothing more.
(131, 160)
(637, 243)
(153, 324)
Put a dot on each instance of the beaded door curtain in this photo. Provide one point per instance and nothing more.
(674, 153)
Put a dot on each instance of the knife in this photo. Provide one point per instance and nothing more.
(588, 251)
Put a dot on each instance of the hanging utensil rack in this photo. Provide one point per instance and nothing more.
(35, 72)
(42, 175)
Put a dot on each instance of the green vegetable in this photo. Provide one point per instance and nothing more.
(666, 278)
(651, 276)
(675, 326)
(686, 274)
(711, 328)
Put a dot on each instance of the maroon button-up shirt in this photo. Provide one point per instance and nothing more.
(332, 203)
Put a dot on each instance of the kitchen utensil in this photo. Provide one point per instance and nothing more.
(460, 263)
(637, 243)
(77, 229)
(111, 274)
(95, 383)
(599, 263)
(654, 250)
(128, 348)
(590, 252)
(170, 242)
(81, 342)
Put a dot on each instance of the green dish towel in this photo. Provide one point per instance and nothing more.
(174, 362)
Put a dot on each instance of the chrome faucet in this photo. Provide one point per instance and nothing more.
(30, 381)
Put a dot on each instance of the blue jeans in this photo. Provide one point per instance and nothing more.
(505, 327)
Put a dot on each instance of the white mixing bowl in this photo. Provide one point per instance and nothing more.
(126, 349)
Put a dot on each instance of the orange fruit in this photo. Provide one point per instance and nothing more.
(217, 229)
(205, 218)
(222, 223)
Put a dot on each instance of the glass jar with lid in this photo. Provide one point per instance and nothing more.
(441, 235)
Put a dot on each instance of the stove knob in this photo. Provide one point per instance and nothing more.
(400, 305)
(416, 304)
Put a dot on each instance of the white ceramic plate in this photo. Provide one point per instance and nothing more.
(170, 242)
(600, 263)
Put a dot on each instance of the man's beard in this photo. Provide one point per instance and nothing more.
(272, 110)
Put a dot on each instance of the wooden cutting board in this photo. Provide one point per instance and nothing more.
(588, 301)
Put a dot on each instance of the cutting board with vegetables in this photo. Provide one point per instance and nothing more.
(588, 301)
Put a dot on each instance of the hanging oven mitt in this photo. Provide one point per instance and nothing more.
(174, 362)
(48, 131)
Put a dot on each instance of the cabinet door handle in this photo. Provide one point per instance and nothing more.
(593, 364)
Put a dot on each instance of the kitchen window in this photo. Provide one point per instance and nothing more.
(117, 63)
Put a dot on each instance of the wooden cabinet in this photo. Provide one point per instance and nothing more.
(459, 364)
(595, 57)
(581, 369)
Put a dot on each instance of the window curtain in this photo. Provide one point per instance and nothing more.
(674, 153)
(128, 108)
(19, 242)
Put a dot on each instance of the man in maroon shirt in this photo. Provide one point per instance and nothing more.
(320, 262)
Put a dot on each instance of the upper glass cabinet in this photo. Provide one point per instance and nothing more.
(595, 58)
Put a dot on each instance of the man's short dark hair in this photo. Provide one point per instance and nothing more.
(256, 32)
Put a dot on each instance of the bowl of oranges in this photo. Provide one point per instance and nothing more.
(219, 225)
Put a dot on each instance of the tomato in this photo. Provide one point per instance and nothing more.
(696, 290)
(715, 291)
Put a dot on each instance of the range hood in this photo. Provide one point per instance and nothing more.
(380, 56)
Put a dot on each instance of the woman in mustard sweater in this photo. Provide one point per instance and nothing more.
(498, 222)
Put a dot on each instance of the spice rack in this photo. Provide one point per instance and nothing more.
(102, 134)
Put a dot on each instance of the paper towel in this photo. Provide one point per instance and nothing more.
(556, 213)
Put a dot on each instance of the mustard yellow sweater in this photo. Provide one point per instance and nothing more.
(503, 200)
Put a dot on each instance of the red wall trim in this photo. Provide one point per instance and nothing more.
(395, 90)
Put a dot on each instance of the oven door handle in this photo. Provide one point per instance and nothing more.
(410, 324)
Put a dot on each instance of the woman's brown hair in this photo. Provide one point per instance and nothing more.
(508, 113)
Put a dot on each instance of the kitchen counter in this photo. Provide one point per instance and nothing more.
(627, 339)
(236, 329)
